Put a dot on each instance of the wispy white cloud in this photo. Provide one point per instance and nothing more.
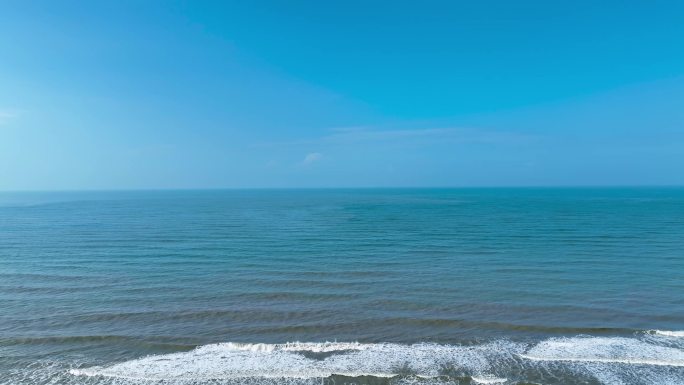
(356, 135)
(312, 158)
(7, 115)
(451, 134)
(369, 134)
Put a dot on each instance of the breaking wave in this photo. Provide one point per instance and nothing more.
(315, 360)
(603, 360)
(617, 350)
(669, 333)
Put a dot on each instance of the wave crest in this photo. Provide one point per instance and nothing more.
(668, 333)
(299, 360)
(610, 360)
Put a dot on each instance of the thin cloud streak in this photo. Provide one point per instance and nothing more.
(312, 158)
(354, 135)
(6, 116)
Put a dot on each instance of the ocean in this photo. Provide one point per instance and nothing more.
(343, 286)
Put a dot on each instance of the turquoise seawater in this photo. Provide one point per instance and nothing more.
(429, 286)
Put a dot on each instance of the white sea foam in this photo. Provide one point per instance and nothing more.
(610, 360)
(314, 347)
(617, 350)
(488, 380)
(669, 333)
(231, 360)
(613, 360)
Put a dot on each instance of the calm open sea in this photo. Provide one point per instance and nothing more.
(431, 286)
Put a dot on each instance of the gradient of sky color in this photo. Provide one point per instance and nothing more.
(199, 94)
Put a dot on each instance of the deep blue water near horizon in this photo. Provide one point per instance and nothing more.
(434, 286)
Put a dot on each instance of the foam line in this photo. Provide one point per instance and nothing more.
(299, 360)
(488, 380)
(606, 360)
(669, 333)
(617, 350)
(610, 360)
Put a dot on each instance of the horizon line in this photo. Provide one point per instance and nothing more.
(344, 188)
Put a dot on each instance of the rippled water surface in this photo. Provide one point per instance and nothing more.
(378, 287)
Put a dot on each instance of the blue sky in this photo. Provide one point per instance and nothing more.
(227, 94)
